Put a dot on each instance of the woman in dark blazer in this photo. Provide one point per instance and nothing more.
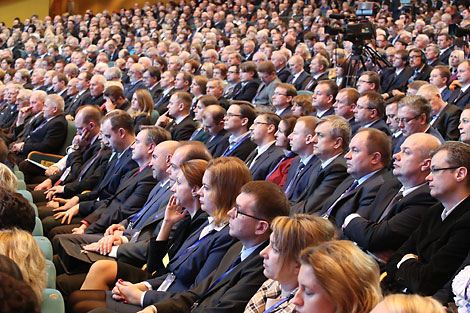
(141, 108)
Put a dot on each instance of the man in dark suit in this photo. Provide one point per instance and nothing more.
(370, 112)
(432, 55)
(344, 105)
(83, 167)
(213, 123)
(298, 76)
(249, 82)
(439, 77)
(280, 62)
(300, 170)
(367, 162)
(178, 121)
(444, 41)
(83, 97)
(237, 122)
(167, 83)
(429, 258)
(461, 96)
(323, 98)
(391, 111)
(239, 275)
(396, 77)
(417, 61)
(414, 116)
(282, 98)
(330, 142)
(444, 117)
(400, 203)
(265, 157)
(318, 71)
(151, 79)
(47, 137)
(119, 138)
(135, 73)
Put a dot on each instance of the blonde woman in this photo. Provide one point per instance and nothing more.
(8, 180)
(337, 277)
(290, 235)
(21, 247)
(408, 304)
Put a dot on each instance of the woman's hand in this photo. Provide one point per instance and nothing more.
(67, 215)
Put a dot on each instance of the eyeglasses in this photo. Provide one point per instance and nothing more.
(260, 123)
(279, 94)
(238, 212)
(364, 81)
(363, 108)
(407, 120)
(232, 115)
(435, 170)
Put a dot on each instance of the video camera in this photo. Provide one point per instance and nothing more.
(457, 31)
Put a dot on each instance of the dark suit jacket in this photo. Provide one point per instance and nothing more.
(162, 102)
(266, 162)
(111, 179)
(446, 294)
(218, 144)
(424, 73)
(381, 125)
(128, 199)
(131, 88)
(321, 185)
(247, 92)
(229, 295)
(447, 122)
(297, 187)
(49, 138)
(444, 57)
(299, 82)
(358, 200)
(390, 81)
(404, 217)
(183, 130)
(330, 111)
(283, 74)
(242, 151)
(460, 100)
(311, 82)
(441, 246)
(192, 267)
(445, 94)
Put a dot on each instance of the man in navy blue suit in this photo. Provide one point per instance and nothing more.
(370, 111)
(323, 98)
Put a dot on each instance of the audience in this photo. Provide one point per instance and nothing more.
(226, 76)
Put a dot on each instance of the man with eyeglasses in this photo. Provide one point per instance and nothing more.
(434, 251)
(400, 202)
(233, 79)
(369, 112)
(265, 157)
(282, 98)
(368, 81)
(240, 273)
(237, 123)
(414, 116)
(418, 63)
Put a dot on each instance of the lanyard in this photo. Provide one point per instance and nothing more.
(228, 150)
(278, 304)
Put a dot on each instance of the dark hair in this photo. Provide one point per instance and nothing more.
(16, 296)
(119, 119)
(15, 211)
(270, 200)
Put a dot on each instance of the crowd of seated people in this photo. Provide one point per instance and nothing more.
(234, 156)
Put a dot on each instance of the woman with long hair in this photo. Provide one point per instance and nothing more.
(141, 108)
(337, 277)
(20, 246)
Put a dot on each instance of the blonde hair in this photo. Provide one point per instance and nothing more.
(349, 277)
(8, 180)
(20, 246)
(293, 234)
(228, 175)
(400, 303)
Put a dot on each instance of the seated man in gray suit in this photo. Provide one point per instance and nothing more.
(264, 94)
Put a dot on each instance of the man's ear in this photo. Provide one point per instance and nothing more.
(262, 228)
